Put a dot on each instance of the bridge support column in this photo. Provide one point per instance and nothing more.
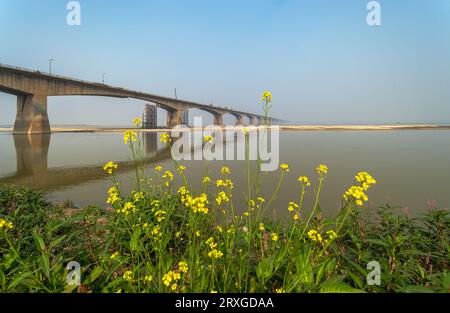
(31, 117)
(253, 120)
(174, 118)
(218, 119)
(239, 120)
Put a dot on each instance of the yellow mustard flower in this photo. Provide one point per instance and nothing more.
(261, 227)
(365, 179)
(148, 278)
(322, 169)
(357, 194)
(138, 196)
(160, 215)
(274, 237)
(314, 235)
(167, 278)
(127, 208)
(158, 168)
(109, 167)
(292, 206)
(285, 167)
(127, 275)
(206, 180)
(222, 198)
(331, 234)
(280, 290)
(113, 194)
(181, 169)
(215, 254)
(208, 138)
(304, 180)
(5, 224)
(114, 255)
(137, 122)
(266, 96)
(225, 170)
(129, 136)
(165, 138)
(183, 267)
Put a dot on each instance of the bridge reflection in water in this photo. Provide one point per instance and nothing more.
(33, 170)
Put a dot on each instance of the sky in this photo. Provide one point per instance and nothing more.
(321, 60)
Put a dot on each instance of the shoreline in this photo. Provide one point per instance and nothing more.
(282, 127)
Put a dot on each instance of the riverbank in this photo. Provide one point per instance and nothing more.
(93, 129)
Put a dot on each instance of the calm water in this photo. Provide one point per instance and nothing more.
(412, 167)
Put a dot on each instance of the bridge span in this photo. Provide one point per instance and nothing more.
(33, 87)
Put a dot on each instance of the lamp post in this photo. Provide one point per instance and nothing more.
(50, 65)
(103, 78)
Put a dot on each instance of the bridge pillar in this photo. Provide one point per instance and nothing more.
(253, 120)
(174, 118)
(218, 119)
(239, 120)
(31, 117)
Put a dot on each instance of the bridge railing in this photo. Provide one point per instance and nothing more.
(58, 76)
(114, 87)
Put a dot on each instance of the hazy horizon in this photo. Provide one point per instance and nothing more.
(322, 62)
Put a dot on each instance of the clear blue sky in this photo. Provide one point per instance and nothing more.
(320, 59)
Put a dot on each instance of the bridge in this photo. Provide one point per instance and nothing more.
(32, 89)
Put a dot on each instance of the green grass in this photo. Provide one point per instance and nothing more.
(413, 253)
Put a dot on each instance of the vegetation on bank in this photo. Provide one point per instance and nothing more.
(167, 236)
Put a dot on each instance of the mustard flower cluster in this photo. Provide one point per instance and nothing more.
(165, 138)
(222, 197)
(314, 235)
(113, 195)
(266, 96)
(127, 208)
(196, 204)
(109, 167)
(6, 225)
(129, 136)
(214, 253)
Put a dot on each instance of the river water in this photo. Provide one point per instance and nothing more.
(412, 167)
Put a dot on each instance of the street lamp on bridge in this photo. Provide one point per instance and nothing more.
(50, 65)
(103, 78)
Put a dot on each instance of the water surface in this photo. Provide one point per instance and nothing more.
(412, 167)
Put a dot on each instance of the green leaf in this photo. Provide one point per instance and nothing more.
(304, 269)
(265, 267)
(39, 241)
(96, 272)
(378, 242)
(336, 285)
(134, 241)
(44, 262)
(17, 280)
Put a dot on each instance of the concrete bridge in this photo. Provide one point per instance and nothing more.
(33, 87)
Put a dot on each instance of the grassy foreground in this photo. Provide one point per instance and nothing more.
(167, 236)
(124, 254)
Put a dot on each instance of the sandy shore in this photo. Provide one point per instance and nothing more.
(284, 127)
